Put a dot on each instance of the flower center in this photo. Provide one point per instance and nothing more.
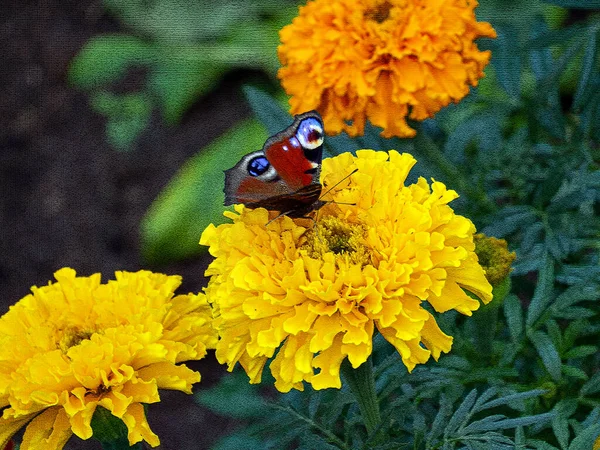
(379, 13)
(72, 337)
(332, 234)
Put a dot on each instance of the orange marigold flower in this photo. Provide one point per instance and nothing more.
(77, 344)
(311, 294)
(384, 60)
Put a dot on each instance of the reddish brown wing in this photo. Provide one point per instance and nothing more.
(284, 176)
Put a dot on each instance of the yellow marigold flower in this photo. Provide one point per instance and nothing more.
(384, 60)
(77, 344)
(310, 294)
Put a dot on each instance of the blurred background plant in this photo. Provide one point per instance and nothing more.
(181, 49)
(522, 150)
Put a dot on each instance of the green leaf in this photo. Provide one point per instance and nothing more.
(127, 116)
(111, 431)
(574, 372)
(592, 386)
(507, 59)
(543, 291)
(589, 59)
(105, 59)
(441, 418)
(511, 219)
(513, 312)
(585, 440)
(194, 198)
(560, 425)
(461, 415)
(581, 352)
(267, 110)
(511, 400)
(237, 440)
(548, 353)
(182, 22)
(575, 4)
(234, 397)
(178, 81)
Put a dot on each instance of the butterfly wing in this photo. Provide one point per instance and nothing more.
(284, 175)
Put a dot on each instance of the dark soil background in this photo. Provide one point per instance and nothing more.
(69, 199)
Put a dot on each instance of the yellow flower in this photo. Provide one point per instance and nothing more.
(384, 60)
(309, 294)
(77, 344)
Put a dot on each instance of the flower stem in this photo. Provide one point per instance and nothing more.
(362, 385)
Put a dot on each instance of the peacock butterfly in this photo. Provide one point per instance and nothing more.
(284, 175)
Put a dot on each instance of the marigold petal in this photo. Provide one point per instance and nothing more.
(138, 427)
(169, 376)
(49, 430)
(435, 339)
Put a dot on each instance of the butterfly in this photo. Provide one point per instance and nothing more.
(284, 175)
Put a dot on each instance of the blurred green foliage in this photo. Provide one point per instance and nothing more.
(183, 49)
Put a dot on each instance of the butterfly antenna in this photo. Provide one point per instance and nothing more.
(333, 187)
(336, 184)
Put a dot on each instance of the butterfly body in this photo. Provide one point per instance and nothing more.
(284, 175)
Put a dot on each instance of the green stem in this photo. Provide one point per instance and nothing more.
(362, 385)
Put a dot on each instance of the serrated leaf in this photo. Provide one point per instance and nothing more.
(513, 311)
(529, 262)
(481, 426)
(585, 440)
(171, 229)
(105, 59)
(314, 402)
(510, 220)
(507, 59)
(574, 372)
(461, 415)
(523, 421)
(548, 353)
(560, 425)
(542, 295)
(440, 419)
(484, 130)
(512, 399)
(234, 397)
(554, 331)
(574, 312)
(589, 59)
(581, 352)
(592, 386)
